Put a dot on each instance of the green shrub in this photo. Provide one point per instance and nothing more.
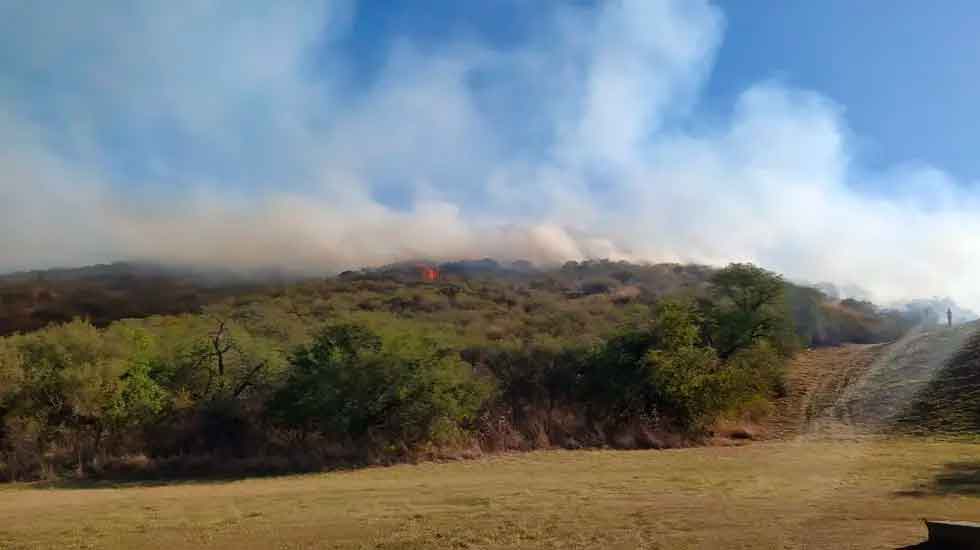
(395, 396)
(747, 304)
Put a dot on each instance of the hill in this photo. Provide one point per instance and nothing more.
(949, 401)
(106, 293)
(901, 375)
(926, 383)
(405, 361)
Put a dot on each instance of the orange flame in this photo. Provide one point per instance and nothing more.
(428, 273)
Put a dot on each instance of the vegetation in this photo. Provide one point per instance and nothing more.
(394, 396)
(378, 366)
(106, 293)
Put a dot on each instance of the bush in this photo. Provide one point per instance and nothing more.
(747, 305)
(690, 385)
(389, 396)
(598, 286)
(250, 380)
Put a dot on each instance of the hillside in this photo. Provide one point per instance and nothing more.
(816, 379)
(106, 293)
(400, 362)
(928, 383)
(949, 402)
(900, 376)
(423, 291)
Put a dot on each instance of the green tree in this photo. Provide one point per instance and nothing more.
(394, 396)
(686, 376)
(11, 371)
(535, 377)
(616, 383)
(217, 356)
(747, 306)
(70, 375)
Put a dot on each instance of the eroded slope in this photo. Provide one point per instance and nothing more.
(927, 382)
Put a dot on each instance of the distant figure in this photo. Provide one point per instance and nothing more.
(949, 317)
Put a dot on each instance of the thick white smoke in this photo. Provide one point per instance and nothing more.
(565, 148)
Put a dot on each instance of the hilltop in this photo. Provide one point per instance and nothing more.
(105, 293)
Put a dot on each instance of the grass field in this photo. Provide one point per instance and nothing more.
(858, 494)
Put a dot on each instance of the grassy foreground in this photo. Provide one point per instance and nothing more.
(867, 494)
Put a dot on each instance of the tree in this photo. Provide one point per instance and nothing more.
(535, 377)
(390, 395)
(747, 306)
(689, 384)
(71, 374)
(11, 371)
(616, 382)
(683, 373)
(215, 356)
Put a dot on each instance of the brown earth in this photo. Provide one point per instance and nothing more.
(856, 389)
(816, 378)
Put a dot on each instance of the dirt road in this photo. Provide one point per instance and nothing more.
(816, 379)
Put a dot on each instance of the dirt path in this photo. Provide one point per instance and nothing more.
(860, 389)
(816, 379)
(899, 376)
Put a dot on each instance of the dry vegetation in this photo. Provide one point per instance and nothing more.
(926, 383)
(950, 401)
(816, 379)
(802, 493)
(864, 495)
(380, 367)
(900, 375)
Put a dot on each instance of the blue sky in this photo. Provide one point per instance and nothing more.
(908, 77)
(907, 74)
(825, 140)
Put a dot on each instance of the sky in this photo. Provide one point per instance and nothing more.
(828, 141)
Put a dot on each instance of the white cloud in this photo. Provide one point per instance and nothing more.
(566, 152)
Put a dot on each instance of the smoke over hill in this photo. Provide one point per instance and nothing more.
(590, 141)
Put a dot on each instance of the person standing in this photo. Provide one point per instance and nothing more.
(949, 317)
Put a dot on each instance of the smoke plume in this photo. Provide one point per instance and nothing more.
(242, 134)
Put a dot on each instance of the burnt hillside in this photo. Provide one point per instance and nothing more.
(105, 293)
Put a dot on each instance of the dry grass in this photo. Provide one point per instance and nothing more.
(816, 378)
(866, 494)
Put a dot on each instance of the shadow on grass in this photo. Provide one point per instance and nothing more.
(182, 471)
(956, 478)
(184, 476)
(95, 484)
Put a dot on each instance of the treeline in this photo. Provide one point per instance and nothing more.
(821, 321)
(371, 370)
(591, 296)
(106, 293)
